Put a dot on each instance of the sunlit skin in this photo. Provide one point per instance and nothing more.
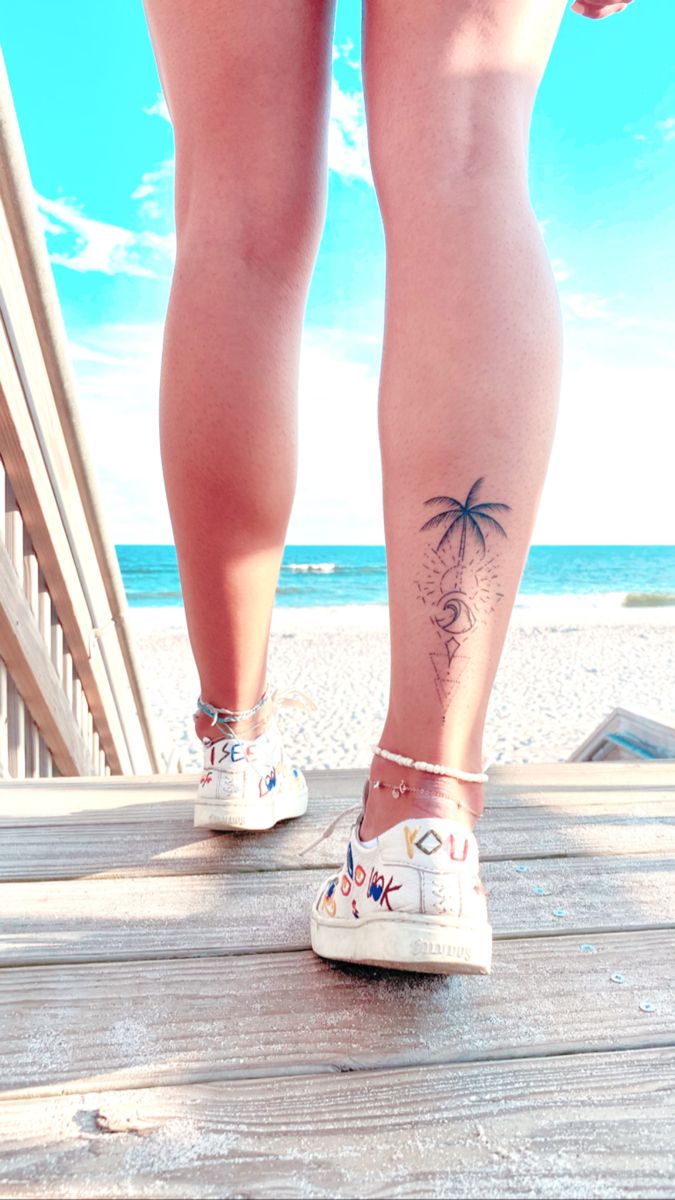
(471, 358)
(597, 9)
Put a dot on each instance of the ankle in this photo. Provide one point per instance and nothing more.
(211, 727)
(398, 793)
(458, 744)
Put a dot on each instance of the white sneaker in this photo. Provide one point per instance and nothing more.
(410, 899)
(248, 784)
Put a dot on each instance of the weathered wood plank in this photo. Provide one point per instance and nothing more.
(593, 1126)
(145, 797)
(109, 920)
(88, 845)
(4, 748)
(73, 1028)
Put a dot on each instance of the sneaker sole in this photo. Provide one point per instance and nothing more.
(226, 815)
(407, 942)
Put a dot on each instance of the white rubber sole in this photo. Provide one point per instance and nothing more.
(406, 942)
(251, 815)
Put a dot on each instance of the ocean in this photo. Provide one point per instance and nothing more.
(314, 576)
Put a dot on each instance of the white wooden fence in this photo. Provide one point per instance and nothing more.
(71, 699)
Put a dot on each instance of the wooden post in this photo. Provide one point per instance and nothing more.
(32, 748)
(44, 610)
(56, 648)
(30, 573)
(45, 759)
(13, 530)
(4, 760)
(15, 732)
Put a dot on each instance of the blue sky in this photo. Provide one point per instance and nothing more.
(100, 150)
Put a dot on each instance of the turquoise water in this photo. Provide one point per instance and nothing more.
(323, 575)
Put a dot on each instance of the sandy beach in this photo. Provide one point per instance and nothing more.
(566, 664)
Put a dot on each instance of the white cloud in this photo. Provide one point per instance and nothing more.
(343, 53)
(561, 271)
(87, 244)
(154, 190)
(91, 245)
(586, 306)
(347, 136)
(339, 493)
(655, 133)
(117, 370)
(159, 109)
(610, 478)
(339, 479)
(667, 129)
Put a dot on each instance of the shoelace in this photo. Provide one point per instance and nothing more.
(330, 829)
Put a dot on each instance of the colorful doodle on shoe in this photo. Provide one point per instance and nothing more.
(355, 909)
(410, 835)
(465, 849)
(329, 904)
(234, 751)
(359, 875)
(346, 885)
(268, 782)
(206, 779)
(379, 891)
(350, 861)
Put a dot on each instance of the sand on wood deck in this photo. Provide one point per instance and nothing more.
(167, 1031)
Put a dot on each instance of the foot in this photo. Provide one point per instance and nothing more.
(248, 783)
(410, 899)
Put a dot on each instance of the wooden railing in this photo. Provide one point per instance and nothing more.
(71, 699)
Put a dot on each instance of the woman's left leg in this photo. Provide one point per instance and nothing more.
(471, 365)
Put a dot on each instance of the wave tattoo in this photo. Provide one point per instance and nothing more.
(457, 582)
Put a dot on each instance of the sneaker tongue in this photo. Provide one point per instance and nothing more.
(429, 840)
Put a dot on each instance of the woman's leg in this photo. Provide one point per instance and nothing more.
(471, 363)
(248, 87)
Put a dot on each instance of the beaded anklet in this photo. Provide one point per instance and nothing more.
(431, 768)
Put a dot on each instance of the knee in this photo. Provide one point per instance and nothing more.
(268, 219)
(470, 157)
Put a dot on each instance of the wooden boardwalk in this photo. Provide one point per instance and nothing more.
(166, 1031)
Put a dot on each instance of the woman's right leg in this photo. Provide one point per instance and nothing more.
(247, 87)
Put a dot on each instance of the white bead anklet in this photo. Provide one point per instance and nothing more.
(431, 768)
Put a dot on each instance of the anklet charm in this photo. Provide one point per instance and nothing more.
(431, 768)
(402, 789)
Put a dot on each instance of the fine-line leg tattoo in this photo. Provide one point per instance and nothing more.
(457, 582)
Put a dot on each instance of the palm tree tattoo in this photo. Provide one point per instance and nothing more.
(457, 583)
